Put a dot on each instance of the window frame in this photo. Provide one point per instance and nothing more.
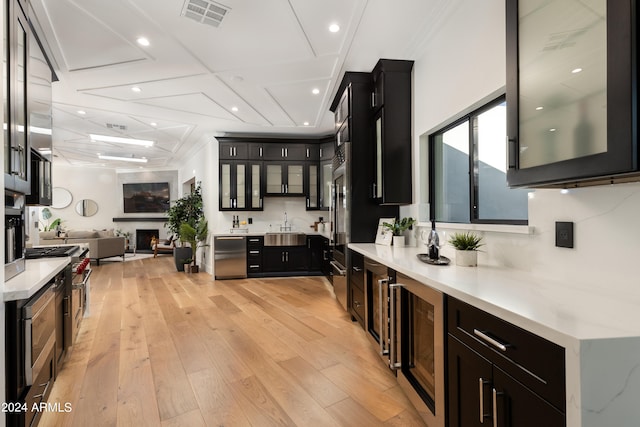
(472, 119)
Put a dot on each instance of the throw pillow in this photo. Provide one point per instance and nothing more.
(82, 234)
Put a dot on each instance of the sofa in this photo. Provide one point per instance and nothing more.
(102, 244)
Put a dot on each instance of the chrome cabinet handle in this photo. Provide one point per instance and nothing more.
(393, 364)
(383, 351)
(481, 384)
(490, 340)
(496, 393)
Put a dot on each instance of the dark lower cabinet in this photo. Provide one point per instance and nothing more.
(473, 380)
(355, 277)
(285, 259)
(316, 245)
(500, 374)
(255, 247)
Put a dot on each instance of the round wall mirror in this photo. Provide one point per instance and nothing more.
(61, 198)
(86, 207)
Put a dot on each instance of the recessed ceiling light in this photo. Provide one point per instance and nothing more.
(136, 89)
(119, 140)
(143, 41)
(576, 70)
(334, 28)
(123, 159)
(154, 124)
(234, 109)
(306, 123)
(315, 91)
(552, 130)
(539, 108)
(82, 112)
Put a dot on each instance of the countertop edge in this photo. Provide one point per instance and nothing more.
(37, 273)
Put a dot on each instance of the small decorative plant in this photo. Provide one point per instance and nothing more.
(399, 227)
(466, 241)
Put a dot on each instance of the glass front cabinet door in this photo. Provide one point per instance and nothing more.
(571, 92)
(240, 186)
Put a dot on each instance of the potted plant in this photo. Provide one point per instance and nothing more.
(466, 245)
(398, 228)
(127, 237)
(196, 237)
(186, 265)
(189, 210)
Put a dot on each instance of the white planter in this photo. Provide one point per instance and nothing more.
(398, 241)
(466, 258)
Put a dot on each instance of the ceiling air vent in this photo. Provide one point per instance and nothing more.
(115, 126)
(205, 11)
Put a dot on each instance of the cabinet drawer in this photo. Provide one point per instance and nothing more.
(536, 362)
(255, 242)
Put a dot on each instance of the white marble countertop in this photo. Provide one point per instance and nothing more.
(250, 232)
(36, 274)
(600, 332)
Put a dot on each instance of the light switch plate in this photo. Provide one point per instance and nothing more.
(564, 234)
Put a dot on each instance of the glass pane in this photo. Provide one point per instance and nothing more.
(313, 186)
(379, 158)
(451, 174)
(7, 142)
(19, 104)
(225, 186)
(325, 195)
(256, 197)
(422, 349)
(241, 187)
(295, 179)
(274, 179)
(495, 200)
(562, 80)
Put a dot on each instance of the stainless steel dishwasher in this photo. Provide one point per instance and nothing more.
(230, 257)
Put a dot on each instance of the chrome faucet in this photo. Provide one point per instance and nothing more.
(285, 226)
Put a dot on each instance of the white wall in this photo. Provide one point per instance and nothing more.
(465, 63)
(87, 183)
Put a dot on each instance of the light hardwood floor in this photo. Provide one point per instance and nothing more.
(163, 348)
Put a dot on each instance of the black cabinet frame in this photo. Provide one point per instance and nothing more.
(621, 159)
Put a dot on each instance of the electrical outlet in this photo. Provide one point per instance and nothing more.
(564, 234)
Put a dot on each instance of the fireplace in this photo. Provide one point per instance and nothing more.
(143, 239)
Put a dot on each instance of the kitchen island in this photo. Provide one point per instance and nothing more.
(600, 333)
(37, 273)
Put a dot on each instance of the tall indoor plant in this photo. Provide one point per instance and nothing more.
(186, 210)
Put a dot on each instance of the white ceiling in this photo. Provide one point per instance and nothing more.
(264, 59)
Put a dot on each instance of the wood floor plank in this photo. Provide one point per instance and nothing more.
(188, 419)
(364, 392)
(169, 349)
(260, 408)
(314, 382)
(215, 399)
(348, 412)
(137, 404)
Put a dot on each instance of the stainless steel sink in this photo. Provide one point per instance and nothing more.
(285, 239)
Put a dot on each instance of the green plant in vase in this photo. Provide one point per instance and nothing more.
(466, 245)
(398, 228)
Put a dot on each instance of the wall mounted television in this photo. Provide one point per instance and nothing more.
(146, 197)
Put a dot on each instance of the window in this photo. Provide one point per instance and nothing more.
(468, 171)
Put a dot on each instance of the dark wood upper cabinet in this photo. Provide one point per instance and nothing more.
(571, 93)
(391, 103)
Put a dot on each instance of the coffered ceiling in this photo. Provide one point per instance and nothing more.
(252, 74)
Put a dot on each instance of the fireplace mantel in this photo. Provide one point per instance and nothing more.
(141, 219)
